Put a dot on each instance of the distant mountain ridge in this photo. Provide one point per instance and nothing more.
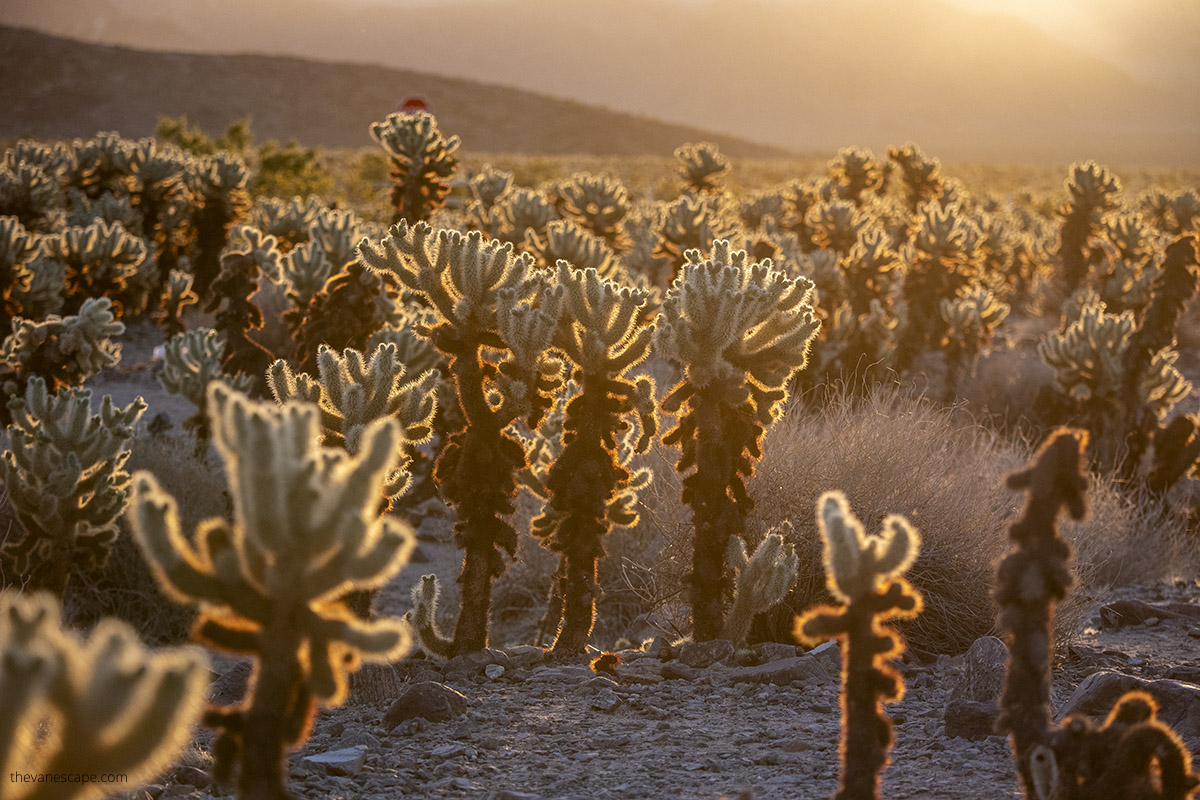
(58, 88)
(805, 75)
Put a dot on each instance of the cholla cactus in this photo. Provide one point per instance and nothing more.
(218, 185)
(864, 573)
(856, 172)
(702, 167)
(944, 259)
(971, 318)
(567, 241)
(922, 176)
(740, 331)
(109, 208)
(352, 304)
(836, 224)
(177, 295)
(65, 480)
(423, 161)
(1094, 191)
(18, 248)
(762, 580)
(31, 194)
(61, 351)
(106, 705)
(524, 211)
(690, 223)
(352, 392)
(289, 223)
(871, 269)
(159, 192)
(600, 203)
(760, 207)
(191, 361)
(305, 531)
(1119, 374)
(489, 185)
(100, 260)
(250, 255)
(858, 345)
(495, 323)
(102, 164)
(602, 336)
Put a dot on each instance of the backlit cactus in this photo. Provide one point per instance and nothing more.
(218, 185)
(100, 260)
(762, 580)
(602, 336)
(1094, 192)
(249, 256)
(305, 530)
(921, 175)
(857, 174)
(17, 249)
(103, 706)
(352, 392)
(65, 481)
(191, 361)
(423, 161)
(600, 203)
(740, 331)
(702, 167)
(971, 319)
(495, 323)
(568, 242)
(864, 573)
(61, 351)
(177, 295)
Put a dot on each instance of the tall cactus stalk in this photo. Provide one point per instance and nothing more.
(864, 574)
(740, 331)
(496, 319)
(601, 335)
(305, 531)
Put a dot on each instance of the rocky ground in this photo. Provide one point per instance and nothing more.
(702, 720)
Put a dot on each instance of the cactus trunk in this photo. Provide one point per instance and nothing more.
(867, 736)
(579, 605)
(715, 514)
(471, 632)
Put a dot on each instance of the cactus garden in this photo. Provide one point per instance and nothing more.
(865, 475)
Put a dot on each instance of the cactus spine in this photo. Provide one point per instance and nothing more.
(305, 531)
(495, 323)
(601, 335)
(108, 705)
(740, 331)
(864, 573)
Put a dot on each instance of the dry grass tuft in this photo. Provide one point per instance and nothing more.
(895, 454)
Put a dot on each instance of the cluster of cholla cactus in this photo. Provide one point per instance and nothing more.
(1075, 759)
(65, 479)
(971, 319)
(864, 573)
(1117, 370)
(423, 162)
(306, 529)
(104, 706)
(740, 331)
(600, 203)
(191, 361)
(495, 321)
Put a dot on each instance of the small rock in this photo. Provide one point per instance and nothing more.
(971, 719)
(435, 702)
(774, 651)
(346, 761)
(470, 665)
(229, 688)
(1178, 703)
(984, 666)
(1185, 673)
(493, 671)
(806, 669)
(336, 729)
(830, 656)
(525, 655)
(673, 670)
(448, 750)
(704, 654)
(192, 776)
(356, 738)
(605, 700)
(509, 794)
(153, 791)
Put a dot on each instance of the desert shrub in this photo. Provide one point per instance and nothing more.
(945, 473)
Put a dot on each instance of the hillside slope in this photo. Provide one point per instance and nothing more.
(59, 88)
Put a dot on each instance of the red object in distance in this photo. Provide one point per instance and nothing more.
(414, 105)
